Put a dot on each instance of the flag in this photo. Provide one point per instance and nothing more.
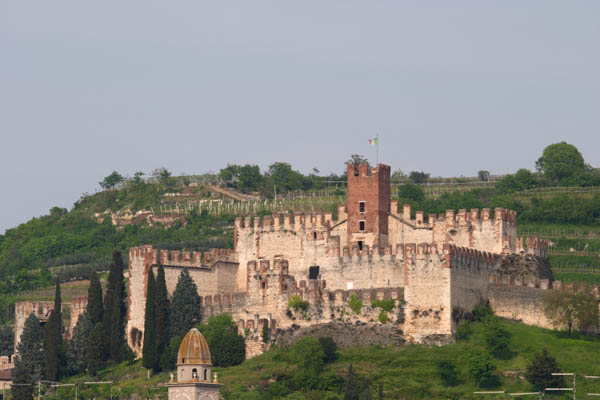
(373, 142)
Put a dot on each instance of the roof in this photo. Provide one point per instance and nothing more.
(193, 349)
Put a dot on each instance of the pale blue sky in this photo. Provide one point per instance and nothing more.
(452, 87)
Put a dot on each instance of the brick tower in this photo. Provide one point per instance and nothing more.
(368, 205)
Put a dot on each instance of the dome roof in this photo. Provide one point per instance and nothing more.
(193, 349)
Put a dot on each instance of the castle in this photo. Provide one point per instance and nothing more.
(436, 270)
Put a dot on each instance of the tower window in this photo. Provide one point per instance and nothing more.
(263, 285)
(315, 235)
(361, 226)
(205, 374)
(355, 170)
(360, 245)
(313, 272)
(361, 206)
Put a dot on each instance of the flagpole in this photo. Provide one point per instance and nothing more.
(377, 148)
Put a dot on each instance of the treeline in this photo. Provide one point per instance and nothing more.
(28, 251)
(278, 178)
(98, 338)
(558, 209)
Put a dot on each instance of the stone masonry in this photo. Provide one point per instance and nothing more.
(436, 269)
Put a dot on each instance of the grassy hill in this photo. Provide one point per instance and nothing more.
(405, 372)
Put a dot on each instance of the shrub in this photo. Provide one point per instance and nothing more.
(329, 349)
(265, 333)
(227, 348)
(355, 304)
(539, 371)
(308, 354)
(481, 313)
(296, 302)
(497, 339)
(464, 330)
(447, 372)
(383, 317)
(385, 305)
(480, 366)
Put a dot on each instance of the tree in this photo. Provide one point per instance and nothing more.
(496, 338)
(7, 340)
(150, 358)
(162, 313)
(560, 161)
(95, 309)
(29, 363)
(329, 349)
(137, 177)
(398, 176)
(480, 366)
(410, 193)
(113, 320)
(418, 176)
(357, 159)
(447, 372)
(79, 344)
(163, 175)
(249, 178)
(483, 175)
(227, 348)
(185, 305)
(539, 371)
(351, 389)
(53, 338)
(284, 177)
(575, 310)
(94, 350)
(111, 181)
(308, 354)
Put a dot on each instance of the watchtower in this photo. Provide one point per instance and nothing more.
(368, 205)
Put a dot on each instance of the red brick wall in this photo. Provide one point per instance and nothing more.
(374, 190)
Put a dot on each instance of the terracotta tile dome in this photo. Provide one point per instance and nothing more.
(193, 349)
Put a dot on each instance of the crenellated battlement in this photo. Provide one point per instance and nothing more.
(460, 218)
(285, 221)
(465, 256)
(180, 258)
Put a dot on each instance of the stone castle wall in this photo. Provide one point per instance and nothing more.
(23, 309)
(77, 307)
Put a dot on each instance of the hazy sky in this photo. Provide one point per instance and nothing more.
(451, 86)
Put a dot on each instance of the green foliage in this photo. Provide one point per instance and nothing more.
(480, 366)
(482, 313)
(95, 308)
(23, 383)
(227, 348)
(30, 351)
(522, 180)
(6, 340)
(150, 357)
(539, 371)
(53, 338)
(447, 372)
(266, 335)
(329, 348)
(410, 193)
(113, 320)
(355, 304)
(383, 317)
(497, 339)
(355, 387)
(168, 358)
(95, 350)
(575, 310)
(418, 176)
(111, 181)
(463, 331)
(162, 309)
(185, 305)
(308, 354)
(79, 343)
(560, 162)
(385, 305)
(296, 302)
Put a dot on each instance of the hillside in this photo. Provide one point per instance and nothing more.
(405, 372)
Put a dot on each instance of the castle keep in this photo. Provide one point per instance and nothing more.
(436, 268)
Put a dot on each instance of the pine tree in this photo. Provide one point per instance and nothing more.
(350, 387)
(29, 363)
(113, 320)
(150, 359)
(53, 338)
(94, 350)
(162, 313)
(79, 343)
(539, 371)
(95, 309)
(185, 305)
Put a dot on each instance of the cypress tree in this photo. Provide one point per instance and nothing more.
(350, 387)
(162, 313)
(185, 305)
(94, 307)
(53, 338)
(29, 363)
(113, 320)
(94, 350)
(150, 359)
(79, 343)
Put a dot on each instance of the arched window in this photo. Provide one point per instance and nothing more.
(205, 374)
(194, 373)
